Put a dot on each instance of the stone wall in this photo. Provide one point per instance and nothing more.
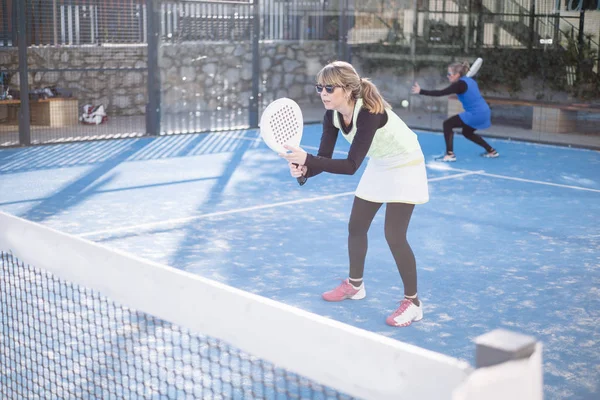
(113, 76)
(205, 76)
(210, 78)
(196, 76)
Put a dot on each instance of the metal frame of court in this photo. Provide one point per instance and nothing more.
(153, 14)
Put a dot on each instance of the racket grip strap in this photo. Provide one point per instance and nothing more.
(301, 179)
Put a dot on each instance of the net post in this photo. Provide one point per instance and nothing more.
(501, 345)
(509, 366)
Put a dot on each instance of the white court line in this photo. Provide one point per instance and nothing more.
(466, 173)
(240, 210)
(512, 178)
(483, 173)
(444, 167)
(215, 214)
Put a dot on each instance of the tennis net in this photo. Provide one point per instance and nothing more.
(81, 321)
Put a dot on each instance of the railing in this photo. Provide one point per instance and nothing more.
(98, 22)
(101, 22)
(75, 22)
(298, 20)
(207, 21)
(7, 24)
(78, 24)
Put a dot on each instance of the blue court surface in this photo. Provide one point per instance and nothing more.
(512, 242)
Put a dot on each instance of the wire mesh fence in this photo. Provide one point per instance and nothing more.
(89, 64)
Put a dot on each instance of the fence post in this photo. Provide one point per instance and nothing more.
(24, 111)
(532, 30)
(254, 99)
(154, 84)
(580, 47)
(343, 52)
(413, 37)
(556, 38)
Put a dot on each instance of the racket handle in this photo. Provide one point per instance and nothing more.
(301, 179)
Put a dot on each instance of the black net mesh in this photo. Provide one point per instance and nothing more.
(62, 341)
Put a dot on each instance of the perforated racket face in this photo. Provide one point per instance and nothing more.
(281, 123)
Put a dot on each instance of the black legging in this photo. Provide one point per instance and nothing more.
(397, 218)
(467, 131)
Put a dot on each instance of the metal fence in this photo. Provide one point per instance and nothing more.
(58, 84)
(76, 22)
(511, 23)
(173, 66)
(80, 22)
(208, 21)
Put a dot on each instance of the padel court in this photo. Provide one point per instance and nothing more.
(512, 242)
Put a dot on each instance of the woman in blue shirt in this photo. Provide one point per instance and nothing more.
(477, 114)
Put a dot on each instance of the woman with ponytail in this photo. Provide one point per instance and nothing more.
(477, 114)
(395, 175)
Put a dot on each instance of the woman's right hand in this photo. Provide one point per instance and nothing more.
(297, 170)
(416, 89)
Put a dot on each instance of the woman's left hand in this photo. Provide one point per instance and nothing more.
(296, 155)
(416, 89)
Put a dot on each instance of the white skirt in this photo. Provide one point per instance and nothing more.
(400, 179)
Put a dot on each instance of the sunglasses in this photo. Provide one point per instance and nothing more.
(328, 88)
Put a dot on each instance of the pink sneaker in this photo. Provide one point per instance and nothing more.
(406, 314)
(345, 291)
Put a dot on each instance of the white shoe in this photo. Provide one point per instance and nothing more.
(346, 291)
(491, 154)
(406, 314)
(446, 158)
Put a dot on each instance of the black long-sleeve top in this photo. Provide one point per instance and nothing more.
(458, 87)
(366, 126)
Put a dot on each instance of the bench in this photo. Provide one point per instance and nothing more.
(547, 117)
(53, 112)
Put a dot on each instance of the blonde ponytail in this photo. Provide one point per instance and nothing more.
(372, 99)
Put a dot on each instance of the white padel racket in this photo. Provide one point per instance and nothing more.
(281, 123)
(475, 67)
